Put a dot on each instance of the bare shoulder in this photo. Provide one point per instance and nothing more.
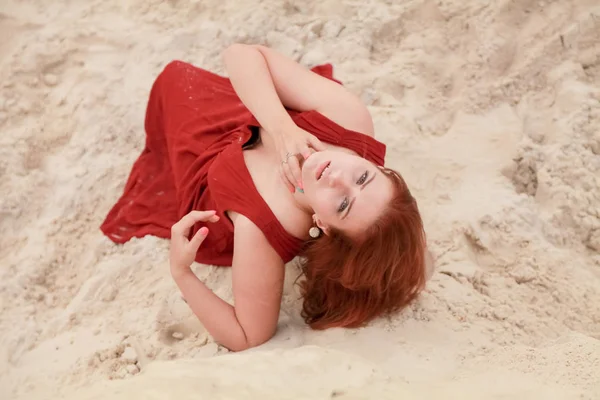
(356, 118)
(258, 274)
(246, 233)
(352, 114)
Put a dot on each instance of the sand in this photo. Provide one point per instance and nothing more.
(491, 111)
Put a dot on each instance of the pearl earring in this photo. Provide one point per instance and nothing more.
(314, 232)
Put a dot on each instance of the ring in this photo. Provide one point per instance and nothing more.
(288, 155)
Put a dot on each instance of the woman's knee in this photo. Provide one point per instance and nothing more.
(174, 68)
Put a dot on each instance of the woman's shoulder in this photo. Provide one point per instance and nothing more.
(345, 109)
(353, 116)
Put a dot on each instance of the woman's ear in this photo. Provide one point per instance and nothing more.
(322, 226)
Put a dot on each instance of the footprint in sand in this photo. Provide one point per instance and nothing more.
(523, 174)
(175, 322)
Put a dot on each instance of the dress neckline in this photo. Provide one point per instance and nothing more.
(348, 134)
(248, 177)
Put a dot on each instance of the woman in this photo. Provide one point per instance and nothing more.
(275, 161)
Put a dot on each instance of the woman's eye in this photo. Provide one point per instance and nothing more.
(363, 178)
(343, 206)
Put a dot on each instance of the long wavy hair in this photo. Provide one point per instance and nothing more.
(348, 283)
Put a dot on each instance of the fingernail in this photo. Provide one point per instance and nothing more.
(204, 231)
(300, 190)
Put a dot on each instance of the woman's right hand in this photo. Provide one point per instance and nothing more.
(290, 145)
(183, 250)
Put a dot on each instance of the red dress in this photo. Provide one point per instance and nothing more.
(195, 128)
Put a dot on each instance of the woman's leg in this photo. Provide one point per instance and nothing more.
(189, 114)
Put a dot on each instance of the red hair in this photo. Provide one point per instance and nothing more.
(348, 283)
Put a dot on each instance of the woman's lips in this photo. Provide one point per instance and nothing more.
(320, 169)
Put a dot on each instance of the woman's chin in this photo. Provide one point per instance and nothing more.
(308, 167)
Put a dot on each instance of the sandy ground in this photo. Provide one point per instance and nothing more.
(491, 110)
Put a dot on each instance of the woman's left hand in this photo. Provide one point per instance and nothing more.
(290, 144)
(183, 251)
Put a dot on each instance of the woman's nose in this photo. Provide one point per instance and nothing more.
(334, 179)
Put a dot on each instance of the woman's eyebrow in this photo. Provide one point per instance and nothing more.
(364, 185)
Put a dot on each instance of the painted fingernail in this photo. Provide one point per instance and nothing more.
(300, 190)
(204, 231)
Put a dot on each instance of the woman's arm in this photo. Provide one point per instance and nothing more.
(258, 274)
(217, 316)
(267, 81)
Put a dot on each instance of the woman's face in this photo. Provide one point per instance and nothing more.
(345, 191)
